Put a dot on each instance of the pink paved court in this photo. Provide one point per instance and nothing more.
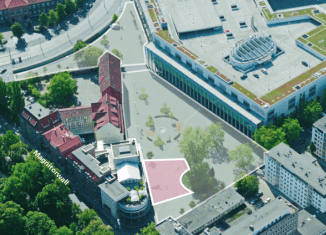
(164, 177)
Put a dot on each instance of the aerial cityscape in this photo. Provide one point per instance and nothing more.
(171, 117)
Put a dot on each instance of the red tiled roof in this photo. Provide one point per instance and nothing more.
(49, 121)
(63, 139)
(2, 4)
(25, 115)
(32, 121)
(37, 1)
(16, 3)
(75, 112)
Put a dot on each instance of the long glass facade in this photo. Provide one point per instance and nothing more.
(199, 94)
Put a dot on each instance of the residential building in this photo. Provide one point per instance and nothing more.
(101, 171)
(61, 142)
(298, 176)
(319, 137)
(309, 225)
(277, 217)
(170, 226)
(36, 120)
(22, 10)
(78, 119)
(211, 210)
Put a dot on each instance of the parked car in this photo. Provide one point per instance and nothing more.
(244, 76)
(225, 31)
(256, 75)
(259, 194)
(115, 26)
(3, 70)
(32, 100)
(305, 63)
(267, 200)
(253, 201)
(264, 71)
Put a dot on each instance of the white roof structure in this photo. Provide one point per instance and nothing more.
(128, 170)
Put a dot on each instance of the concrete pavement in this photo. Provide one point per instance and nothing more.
(97, 20)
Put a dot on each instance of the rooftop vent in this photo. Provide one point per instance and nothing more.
(30, 107)
(40, 109)
(39, 115)
(251, 227)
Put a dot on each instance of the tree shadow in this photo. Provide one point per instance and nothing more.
(21, 44)
(161, 148)
(146, 102)
(46, 34)
(74, 20)
(220, 155)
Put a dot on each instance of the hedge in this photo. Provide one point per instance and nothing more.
(149, 139)
(177, 136)
(158, 116)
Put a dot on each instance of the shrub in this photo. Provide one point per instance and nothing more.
(192, 204)
(136, 188)
(150, 154)
(128, 200)
(141, 187)
(128, 188)
(141, 197)
(177, 136)
(159, 142)
(168, 141)
(141, 183)
(182, 211)
(149, 139)
(114, 18)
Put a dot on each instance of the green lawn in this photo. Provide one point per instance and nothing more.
(268, 15)
(303, 40)
(152, 14)
(318, 39)
(236, 214)
(316, 30)
(212, 69)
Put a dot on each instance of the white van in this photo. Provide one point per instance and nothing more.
(115, 26)
(264, 71)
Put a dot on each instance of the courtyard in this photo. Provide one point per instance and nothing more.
(188, 113)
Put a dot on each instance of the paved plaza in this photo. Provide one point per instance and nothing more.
(129, 40)
(188, 113)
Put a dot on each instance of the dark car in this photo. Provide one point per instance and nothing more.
(256, 75)
(3, 70)
(259, 194)
(305, 63)
(244, 76)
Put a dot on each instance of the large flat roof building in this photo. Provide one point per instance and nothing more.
(319, 137)
(309, 225)
(211, 210)
(277, 217)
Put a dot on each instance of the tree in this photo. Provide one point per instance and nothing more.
(114, 18)
(73, 227)
(79, 2)
(270, 136)
(70, 6)
(150, 121)
(165, 109)
(54, 201)
(17, 98)
(199, 179)
(79, 45)
(240, 175)
(17, 150)
(63, 231)
(39, 223)
(216, 134)
(17, 30)
(62, 88)
(159, 142)
(96, 227)
(9, 139)
(59, 66)
(203, 197)
(53, 17)
(170, 115)
(91, 55)
(242, 156)
(86, 217)
(43, 19)
(12, 220)
(117, 53)
(60, 8)
(292, 129)
(194, 145)
(1, 38)
(149, 230)
(44, 69)
(211, 172)
(192, 204)
(182, 211)
(104, 40)
(311, 113)
(143, 95)
(3, 98)
(150, 154)
(248, 185)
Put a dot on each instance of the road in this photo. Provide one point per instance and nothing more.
(99, 17)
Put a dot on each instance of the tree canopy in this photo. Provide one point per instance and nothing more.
(117, 53)
(43, 19)
(86, 217)
(150, 121)
(70, 6)
(310, 114)
(270, 136)
(242, 156)
(17, 30)
(79, 45)
(12, 220)
(149, 230)
(292, 129)
(53, 17)
(248, 185)
(91, 55)
(39, 223)
(216, 134)
(60, 8)
(62, 88)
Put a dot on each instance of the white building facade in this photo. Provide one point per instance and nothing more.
(299, 177)
(319, 137)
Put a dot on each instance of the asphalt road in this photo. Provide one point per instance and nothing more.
(99, 17)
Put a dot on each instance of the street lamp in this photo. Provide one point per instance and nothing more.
(68, 36)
